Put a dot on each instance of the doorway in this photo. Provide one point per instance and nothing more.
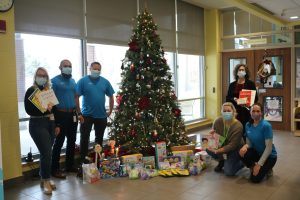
(274, 91)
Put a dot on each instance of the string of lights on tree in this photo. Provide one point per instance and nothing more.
(147, 107)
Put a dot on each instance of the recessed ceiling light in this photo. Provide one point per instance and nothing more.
(294, 17)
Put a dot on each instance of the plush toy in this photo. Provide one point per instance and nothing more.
(265, 70)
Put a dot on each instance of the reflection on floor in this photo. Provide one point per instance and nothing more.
(209, 185)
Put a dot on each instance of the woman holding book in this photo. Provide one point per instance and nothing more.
(41, 126)
(228, 132)
(242, 82)
(259, 153)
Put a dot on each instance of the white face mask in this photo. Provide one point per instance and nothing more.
(241, 74)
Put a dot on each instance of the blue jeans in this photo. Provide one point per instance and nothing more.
(232, 164)
(42, 133)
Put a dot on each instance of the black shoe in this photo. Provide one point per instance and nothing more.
(71, 170)
(79, 172)
(59, 174)
(220, 166)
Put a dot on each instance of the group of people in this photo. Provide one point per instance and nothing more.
(50, 128)
(246, 138)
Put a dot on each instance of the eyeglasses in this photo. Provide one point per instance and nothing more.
(67, 66)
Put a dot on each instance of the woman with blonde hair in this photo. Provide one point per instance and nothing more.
(41, 127)
(230, 132)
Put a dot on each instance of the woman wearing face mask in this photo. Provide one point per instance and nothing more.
(230, 131)
(241, 74)
(259, 153)
(41, 128)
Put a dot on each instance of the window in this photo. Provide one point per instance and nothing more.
(33, 51)
(190, 77)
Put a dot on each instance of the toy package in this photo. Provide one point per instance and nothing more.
(133, 158)
(210, 141)
(149, 162)
(109, 168)
(160, 151)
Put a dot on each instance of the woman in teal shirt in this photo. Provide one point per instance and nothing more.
(259, 153)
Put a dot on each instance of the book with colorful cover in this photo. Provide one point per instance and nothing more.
(33, 98)
(210, 141)
(248, 95)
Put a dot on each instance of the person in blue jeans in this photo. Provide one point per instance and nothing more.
(41, 128)
(93, 88)
(64, 87)
(259, 153)
(230, 131)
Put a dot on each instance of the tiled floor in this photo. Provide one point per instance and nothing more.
(284, 185)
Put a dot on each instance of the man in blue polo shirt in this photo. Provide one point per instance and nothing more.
(64, 87)
(93, 88)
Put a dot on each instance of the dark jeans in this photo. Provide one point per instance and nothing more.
(251, 157)
(231, 165)
(85, 130)
(42, 133)
(68, 129)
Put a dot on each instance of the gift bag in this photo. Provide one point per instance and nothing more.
(90, 173)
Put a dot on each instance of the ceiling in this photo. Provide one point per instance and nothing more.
(275, 11)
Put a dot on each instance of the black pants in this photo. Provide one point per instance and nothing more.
(251, 157)
(85, 130)
(68, 129)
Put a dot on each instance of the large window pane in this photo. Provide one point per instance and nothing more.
(190, 78)
(33, 51)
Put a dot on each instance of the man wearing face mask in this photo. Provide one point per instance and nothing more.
(241, 75)
(230, 131)
(64, 87)
(93, 88)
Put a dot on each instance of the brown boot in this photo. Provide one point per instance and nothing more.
(52, 184)
(47, 188)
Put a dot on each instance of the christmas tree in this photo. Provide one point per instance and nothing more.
(147, 109)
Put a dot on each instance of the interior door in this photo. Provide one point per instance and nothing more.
(274, 91)
(229, 61)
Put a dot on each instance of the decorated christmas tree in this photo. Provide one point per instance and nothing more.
(147, 110)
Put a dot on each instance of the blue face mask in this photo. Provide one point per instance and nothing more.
(95, 73)
(66, 70)
(227, 116)
(40, 81)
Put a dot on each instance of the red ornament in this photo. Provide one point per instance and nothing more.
(173, 95)
(133, 46)
(119, 99)
(177, 112)
(149, 61)
(133, 132)
(132, 67)
(143, 103)
(164, 60)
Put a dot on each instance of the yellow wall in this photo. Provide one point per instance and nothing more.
(8, 100)
(212, 63)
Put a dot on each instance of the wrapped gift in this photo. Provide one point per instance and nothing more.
(160, 151)
(133, 158)
(149, 162)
